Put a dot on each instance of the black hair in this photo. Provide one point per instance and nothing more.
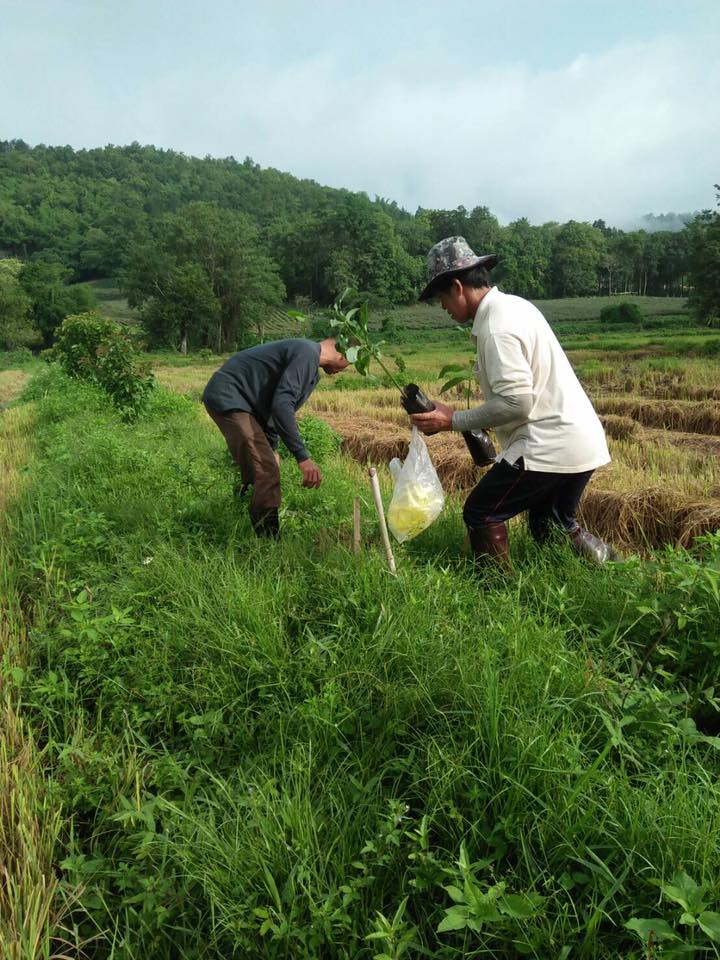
(477, 277)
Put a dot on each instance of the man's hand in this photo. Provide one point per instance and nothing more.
(438, 419)
(311, 473)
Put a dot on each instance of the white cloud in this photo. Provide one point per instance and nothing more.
(610, 134)
(613, 135)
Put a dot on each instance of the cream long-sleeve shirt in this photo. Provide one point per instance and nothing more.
(519, 355)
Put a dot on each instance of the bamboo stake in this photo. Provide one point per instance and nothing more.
(381, 517)
(356, 526)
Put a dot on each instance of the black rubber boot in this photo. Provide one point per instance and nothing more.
(490, 545)
(266, 523)
(595, 549)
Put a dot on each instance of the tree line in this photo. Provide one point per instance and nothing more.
(205, 247)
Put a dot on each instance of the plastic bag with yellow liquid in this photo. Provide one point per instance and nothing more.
(418, 495)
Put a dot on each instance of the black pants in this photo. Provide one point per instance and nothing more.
(508, 489)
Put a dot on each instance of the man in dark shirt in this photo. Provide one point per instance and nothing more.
(253, 399)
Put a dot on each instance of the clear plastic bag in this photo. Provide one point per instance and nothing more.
(418, 495)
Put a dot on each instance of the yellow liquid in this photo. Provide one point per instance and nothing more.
(412, 512)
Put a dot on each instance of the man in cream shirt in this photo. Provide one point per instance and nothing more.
(551, 437)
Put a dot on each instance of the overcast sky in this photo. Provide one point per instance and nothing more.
(550, 109)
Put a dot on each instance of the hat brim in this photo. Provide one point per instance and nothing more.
(490, 260)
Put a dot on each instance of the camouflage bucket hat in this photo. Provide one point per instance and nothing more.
(451, 257)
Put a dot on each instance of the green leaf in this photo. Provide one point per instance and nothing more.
(362, 363)
(456, 918)
(297, 315)
(451, 368)
(518, 905)
(710, 924)
(351, 354)
(660, 929)
(452, 382)
(683, 890)
(456, 894)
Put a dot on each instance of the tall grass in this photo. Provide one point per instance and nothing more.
(276, 750)
(31, 906)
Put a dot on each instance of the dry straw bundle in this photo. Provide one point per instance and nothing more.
(638, 515)
(672, 415)
(619, 428)
(647, 518)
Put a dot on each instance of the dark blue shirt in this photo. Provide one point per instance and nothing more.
(270, 382)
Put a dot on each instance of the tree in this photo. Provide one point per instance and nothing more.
(576, 258)
(704, 273)
(184, 303)
(482, 231)
(16, 328)
(52, 298)
(202, 275)
(525, 258)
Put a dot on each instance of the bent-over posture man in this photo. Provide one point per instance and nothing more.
(551, 437)
(253, 399)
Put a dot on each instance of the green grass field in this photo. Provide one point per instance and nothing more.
(572, 309)
(279, 751)
(427, 316)
(214, 747)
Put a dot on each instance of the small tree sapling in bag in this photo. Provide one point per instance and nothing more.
(418, 495)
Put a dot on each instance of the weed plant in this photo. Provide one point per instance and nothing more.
(276, 750)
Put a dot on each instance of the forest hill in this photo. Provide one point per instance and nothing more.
(226, 239)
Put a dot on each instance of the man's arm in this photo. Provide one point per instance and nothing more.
(290, 388)
(495, 413)
(511, 381)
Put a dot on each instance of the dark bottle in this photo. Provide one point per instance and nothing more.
(478, 442)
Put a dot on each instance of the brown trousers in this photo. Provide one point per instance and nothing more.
(251, 451)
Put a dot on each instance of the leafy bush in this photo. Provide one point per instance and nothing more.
(94, 348)
(621, 313)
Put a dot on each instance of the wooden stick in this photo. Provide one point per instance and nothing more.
(356, 526)
(374, 482)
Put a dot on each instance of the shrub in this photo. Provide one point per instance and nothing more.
(97, 349)
(629, 313)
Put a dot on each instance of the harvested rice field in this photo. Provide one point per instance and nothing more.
(661, 415)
